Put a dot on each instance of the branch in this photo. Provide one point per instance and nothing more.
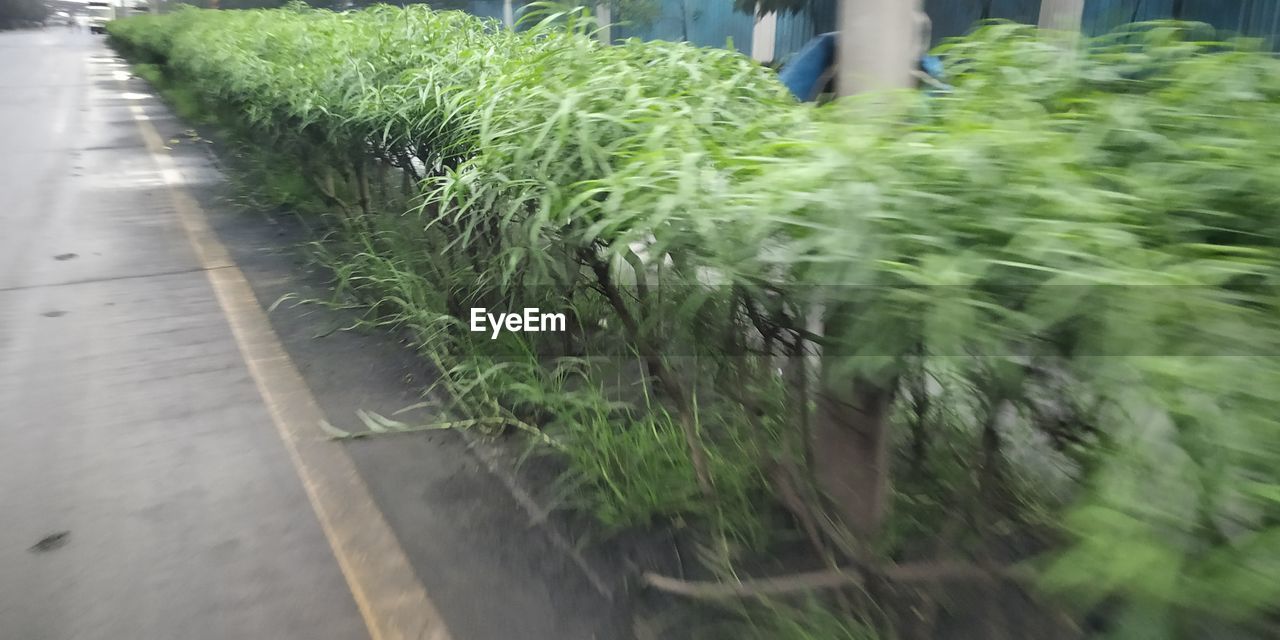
(943, 570)
(826, 579)
(327, 191)
(654, 363)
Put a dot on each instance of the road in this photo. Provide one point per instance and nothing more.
(161, 475)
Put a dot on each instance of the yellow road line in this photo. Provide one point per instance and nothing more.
(388, 593)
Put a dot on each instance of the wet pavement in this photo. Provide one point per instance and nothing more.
(130, 425)
(147, 489)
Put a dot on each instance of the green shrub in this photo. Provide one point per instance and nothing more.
(1050, 290)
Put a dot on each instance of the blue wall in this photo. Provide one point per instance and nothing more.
(1254, 18)
(707, 23)
(487, 8)
(710, 23)
(796, 30)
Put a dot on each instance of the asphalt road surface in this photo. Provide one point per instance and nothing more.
(160, 477)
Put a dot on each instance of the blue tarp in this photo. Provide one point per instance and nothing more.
(804, 71)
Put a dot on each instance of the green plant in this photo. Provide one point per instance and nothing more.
(888, 317)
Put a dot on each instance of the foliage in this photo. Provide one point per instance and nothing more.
(1056, 282)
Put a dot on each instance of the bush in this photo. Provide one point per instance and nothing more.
(1029, 321)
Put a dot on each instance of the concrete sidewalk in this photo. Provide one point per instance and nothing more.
(159, 475)
(132, 437)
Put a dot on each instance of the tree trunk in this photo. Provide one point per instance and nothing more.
(851, 448)
(362, 186)
(604, 22)
(763, 35)
(880, 44)
(1062, 15)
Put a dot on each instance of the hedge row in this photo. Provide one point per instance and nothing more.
(1039, 303)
